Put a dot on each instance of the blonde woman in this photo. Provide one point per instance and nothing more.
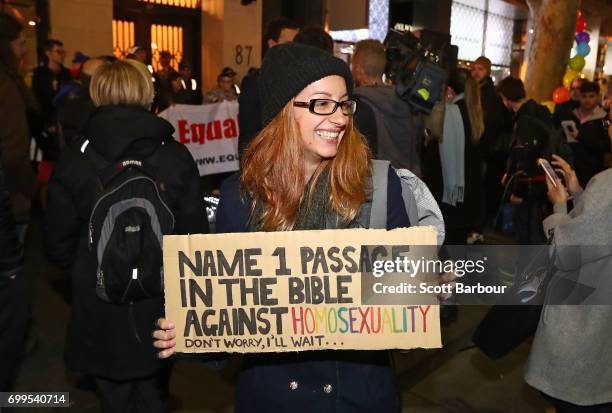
(108, 341)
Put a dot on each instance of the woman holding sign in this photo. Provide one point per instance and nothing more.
(308, 169)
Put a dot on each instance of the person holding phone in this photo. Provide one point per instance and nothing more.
(573, 372)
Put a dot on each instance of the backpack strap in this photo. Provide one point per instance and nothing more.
(421, 207)
(380, 182)
(410, 202)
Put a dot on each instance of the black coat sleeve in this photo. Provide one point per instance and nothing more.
(497, 121)
(191, 213)
(249, 120)
(11, 252)
(42, 86)
(233, 211)
(365, 121)
(62, 216)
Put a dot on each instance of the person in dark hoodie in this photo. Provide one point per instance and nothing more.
(397, 133)
(102, 339)
(533, 137)
(588, 139)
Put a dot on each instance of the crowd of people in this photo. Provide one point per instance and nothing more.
(310, 128)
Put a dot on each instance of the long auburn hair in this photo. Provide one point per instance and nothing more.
(273, 173)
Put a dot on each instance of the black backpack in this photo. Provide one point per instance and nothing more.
(126, 227)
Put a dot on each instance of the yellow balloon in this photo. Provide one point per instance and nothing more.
(550, 105)
(569, 76)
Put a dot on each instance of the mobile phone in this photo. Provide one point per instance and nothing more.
(570, 129)
(548, 170)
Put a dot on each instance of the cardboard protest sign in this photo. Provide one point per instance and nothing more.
(210, 132)
(288, 291)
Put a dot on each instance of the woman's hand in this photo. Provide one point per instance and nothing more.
(165, 336)
(557, 194)
(570, 175)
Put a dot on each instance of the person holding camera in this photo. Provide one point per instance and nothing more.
(397, 136)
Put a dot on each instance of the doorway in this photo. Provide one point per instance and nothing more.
(159, 25)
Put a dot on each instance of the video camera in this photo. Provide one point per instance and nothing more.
(418, 68)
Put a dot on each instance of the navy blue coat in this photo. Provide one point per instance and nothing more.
(314, 381)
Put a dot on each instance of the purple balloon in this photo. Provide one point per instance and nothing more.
(582, 37)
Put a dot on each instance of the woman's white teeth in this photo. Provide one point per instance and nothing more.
(327, 134)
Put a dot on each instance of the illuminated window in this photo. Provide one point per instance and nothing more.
(166, 38)
(188, 4)
(466, 30)
(378, 23)
(123, 37)
(477, 31)
(498, 46)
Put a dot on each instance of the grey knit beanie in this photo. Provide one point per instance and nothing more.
(288, 68)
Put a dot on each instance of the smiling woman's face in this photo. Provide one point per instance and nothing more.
(321, 134)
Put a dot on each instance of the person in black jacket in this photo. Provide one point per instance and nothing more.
(534, 137)
(462, 206)
(46, 82)
(497, 128)
(101, 339)
(14, 306)
(15, 193)
(15, 102)
(317, 103)
(588, 137)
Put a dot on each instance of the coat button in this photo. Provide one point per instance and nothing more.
(328, 388)
(293, 385)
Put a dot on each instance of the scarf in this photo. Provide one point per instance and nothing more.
(313, 210)
(452, 153)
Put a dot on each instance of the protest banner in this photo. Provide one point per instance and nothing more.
(210, 132)
(297, 290)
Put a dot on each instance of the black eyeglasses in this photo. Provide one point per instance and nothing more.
(328, 106)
